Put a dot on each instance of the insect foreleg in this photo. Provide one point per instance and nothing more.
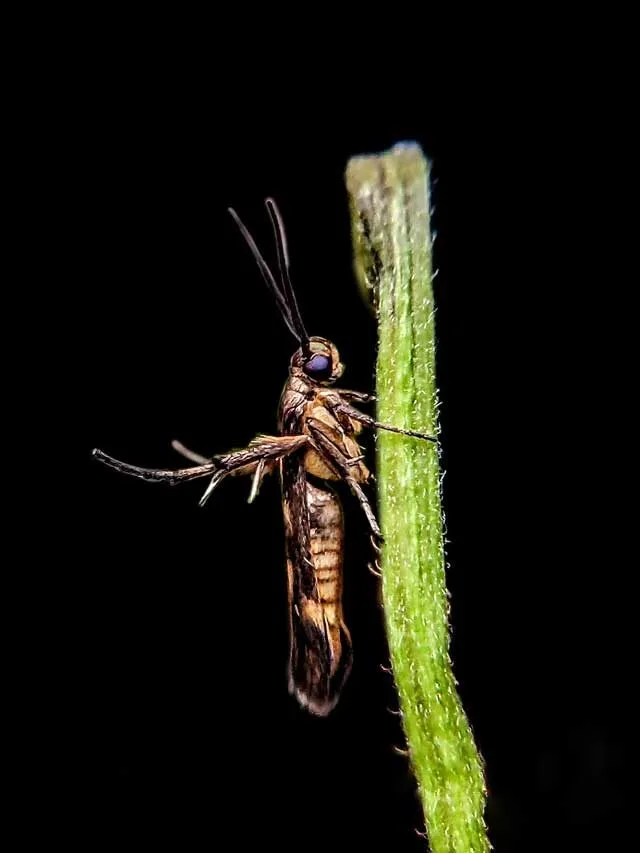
(357, 415)
(340, 463)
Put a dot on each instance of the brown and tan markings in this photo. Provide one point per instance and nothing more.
(317, 443)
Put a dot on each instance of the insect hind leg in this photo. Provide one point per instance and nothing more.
(264, 447)
(198, 458)
(263, 452)
(157, 475)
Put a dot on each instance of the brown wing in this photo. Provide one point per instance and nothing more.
(320, 653)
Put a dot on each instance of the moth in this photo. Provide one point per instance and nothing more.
(317, 444)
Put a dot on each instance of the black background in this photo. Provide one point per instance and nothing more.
(165, 647)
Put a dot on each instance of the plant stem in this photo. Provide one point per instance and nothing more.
(389, 201)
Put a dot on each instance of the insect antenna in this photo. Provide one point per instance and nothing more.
(270, 281)
(283, 266)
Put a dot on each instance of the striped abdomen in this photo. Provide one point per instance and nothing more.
(327, 553)
(321, 653)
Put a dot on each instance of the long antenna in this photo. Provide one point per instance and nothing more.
(269, 279)
(283, 266)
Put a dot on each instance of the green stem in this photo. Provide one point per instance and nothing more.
(389, 200)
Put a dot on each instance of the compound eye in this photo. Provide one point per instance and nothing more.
(318, 367)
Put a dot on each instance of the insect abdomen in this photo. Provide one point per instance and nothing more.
(326, 541)
(322, 658)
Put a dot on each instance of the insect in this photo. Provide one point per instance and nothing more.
(316, 445)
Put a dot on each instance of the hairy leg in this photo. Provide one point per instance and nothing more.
(339, 462)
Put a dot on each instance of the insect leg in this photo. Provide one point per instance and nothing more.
(157, 475)
(199, 459)
(356, 396)
(190, 454)
(338, 461)
(257, 480)
(357, 415)
(265, 449)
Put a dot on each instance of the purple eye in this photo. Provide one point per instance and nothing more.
(318, 367)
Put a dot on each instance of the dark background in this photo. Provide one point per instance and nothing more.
(165, 644)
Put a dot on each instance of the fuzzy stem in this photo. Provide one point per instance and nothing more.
(389, 201)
